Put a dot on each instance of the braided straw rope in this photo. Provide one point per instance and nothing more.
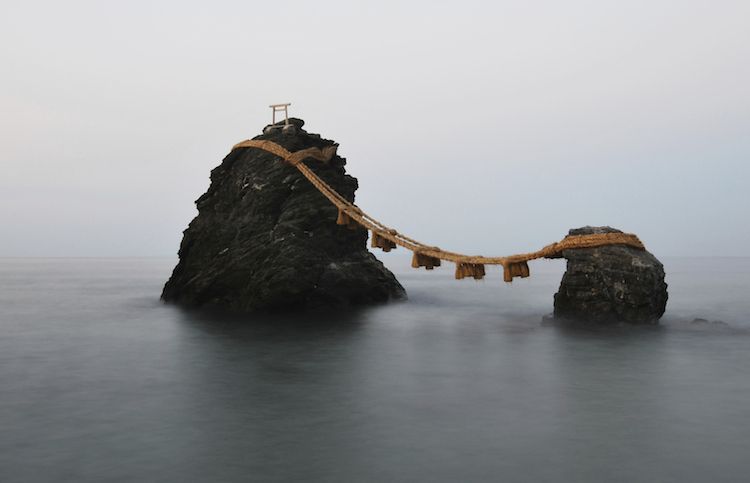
(427, 255)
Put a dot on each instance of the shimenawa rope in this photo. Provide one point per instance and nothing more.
(425, 255)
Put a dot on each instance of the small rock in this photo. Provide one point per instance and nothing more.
(611, 284)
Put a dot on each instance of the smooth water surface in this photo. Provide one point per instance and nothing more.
(99, 381)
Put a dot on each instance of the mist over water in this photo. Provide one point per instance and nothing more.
(100, 381)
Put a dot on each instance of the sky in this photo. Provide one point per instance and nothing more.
(482, 127)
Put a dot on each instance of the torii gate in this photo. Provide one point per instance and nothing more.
(287, 128)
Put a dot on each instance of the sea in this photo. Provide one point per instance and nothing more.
(464, 382)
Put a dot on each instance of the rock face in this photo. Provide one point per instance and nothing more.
(265, 238)
(609, 284)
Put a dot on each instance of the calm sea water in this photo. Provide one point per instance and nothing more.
(99, 381)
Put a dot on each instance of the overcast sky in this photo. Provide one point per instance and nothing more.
(482, 127)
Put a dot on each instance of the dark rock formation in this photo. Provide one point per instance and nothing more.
(614, 283)
(265, 238)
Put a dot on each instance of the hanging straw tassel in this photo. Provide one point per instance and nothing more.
(379, 241)
(525, 272)
(422, 260)
(345, 220)
(479, 271)
(507, 277)
(461, 271)
(515, 269)
(474, 270)
(520, 269)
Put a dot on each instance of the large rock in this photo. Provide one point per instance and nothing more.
(265, 238)
(614, 283)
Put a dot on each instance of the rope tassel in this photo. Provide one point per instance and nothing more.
(379, 241)
(422, 260)
(345, 220)
(474, 270)
(515, 269)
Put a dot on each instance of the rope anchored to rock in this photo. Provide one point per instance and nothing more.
(429, 257)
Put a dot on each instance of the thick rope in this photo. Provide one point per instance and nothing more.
(425, 255)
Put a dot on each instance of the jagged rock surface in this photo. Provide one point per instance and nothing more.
(610, 284)
(265, 238)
